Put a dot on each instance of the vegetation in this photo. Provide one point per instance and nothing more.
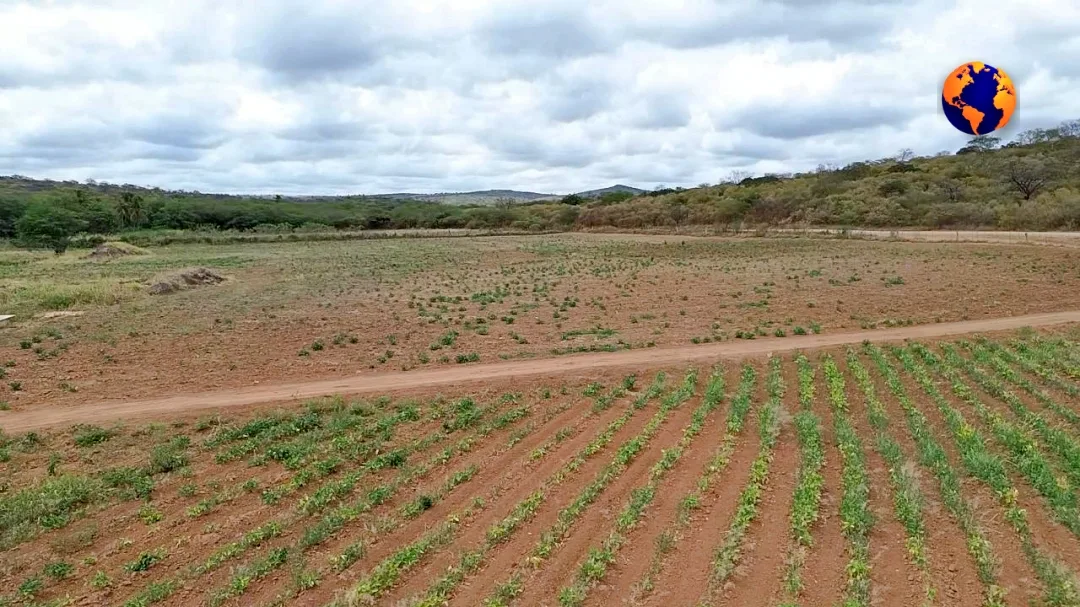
(1021, 185)
(806, 504)
(415, 501)
(856, 520)
(740, 409)
(982, 462)
(907, 496)
(594, 567)
(728, 554)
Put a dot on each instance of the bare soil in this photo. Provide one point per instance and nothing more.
(317, 362)
(101, 540)
(298, 312)
(105, 412)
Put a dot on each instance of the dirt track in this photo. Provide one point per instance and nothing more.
(1071, 239)
(111, 411)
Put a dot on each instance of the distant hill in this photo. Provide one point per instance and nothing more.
(1030, 183)
(22, 184)
(618, 188)
(488, 197)
(484, 197)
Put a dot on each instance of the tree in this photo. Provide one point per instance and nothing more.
(568, 215)
(1069, 128)
(1027, 175)
(981, 143)
(679, 213)
(504, 203)
(615, 197)
(45, 226)
(1033, 136)
(130, 209)
(952, 189)
(985, 143)
(738, 176)
(769, 211)
(11, 209)
(905, 155)
(573, 200)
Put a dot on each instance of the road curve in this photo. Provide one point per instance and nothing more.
(157, 408)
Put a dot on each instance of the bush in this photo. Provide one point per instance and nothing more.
(59, 570)
(50, 504)
(48, 227)
(166, 458)
(88, 436)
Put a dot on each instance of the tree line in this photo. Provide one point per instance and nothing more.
(1030, 183)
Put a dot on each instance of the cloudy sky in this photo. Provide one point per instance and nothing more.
(375, 96)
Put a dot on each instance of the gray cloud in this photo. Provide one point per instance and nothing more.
(179, 128)
(530, 32)
(578, 101)
(300, 45)
(797, 121)
(656, 111)
(843, 24)
(552, 95)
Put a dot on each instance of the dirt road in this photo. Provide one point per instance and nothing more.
(1064, 239)
(1057, 238)
(159, 408)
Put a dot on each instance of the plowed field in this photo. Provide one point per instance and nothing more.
(921, 473)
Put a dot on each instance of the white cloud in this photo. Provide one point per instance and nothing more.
(556, 95)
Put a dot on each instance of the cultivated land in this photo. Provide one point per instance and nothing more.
(304, 311)
(940, 474)
(750, 448)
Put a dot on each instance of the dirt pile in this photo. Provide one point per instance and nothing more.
(111, 250)
(196, 277)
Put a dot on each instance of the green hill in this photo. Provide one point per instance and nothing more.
(1032, 183)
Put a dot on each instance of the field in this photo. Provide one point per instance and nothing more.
(308, 310)
(939, 474)
(551, 420)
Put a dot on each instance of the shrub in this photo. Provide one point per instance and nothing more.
(45, 226)
(50, 504)
(145, 561)
(87, 436)
(59, 570)
(169, 457)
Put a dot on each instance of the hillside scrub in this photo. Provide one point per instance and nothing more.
(1026, 184)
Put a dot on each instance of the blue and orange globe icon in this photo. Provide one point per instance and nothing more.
(978, 98)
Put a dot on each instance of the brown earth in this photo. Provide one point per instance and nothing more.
(200, 363)
(952, 571)
(105, 412)
(824, 578)
(1014, 574)
(896, 579)
(107, 536)
(375, 306)
(683, 577)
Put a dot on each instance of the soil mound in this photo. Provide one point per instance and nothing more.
(112, 250)
(196, 277)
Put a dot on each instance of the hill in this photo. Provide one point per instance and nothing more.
(615, 189)
(482, 197)
(19, 183)
(1031, 183)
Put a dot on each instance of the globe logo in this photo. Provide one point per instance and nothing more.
(978, 98)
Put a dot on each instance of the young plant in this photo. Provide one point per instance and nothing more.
(856, 519)
(728, 554)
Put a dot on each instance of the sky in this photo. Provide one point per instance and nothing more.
(554, 96)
